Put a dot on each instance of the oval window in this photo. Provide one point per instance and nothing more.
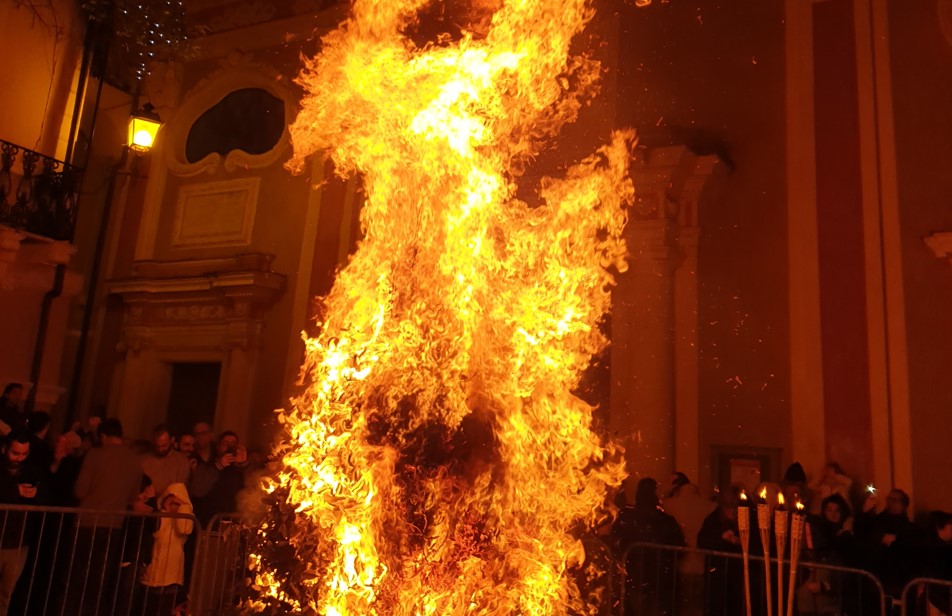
(250, 120)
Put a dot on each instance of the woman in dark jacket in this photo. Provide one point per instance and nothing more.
(829, 541)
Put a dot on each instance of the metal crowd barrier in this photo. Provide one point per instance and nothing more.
(220, 566)
(927, 597)
(75, 562)
(664, 580)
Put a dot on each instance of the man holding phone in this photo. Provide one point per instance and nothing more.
(214, 487)
(19, 485)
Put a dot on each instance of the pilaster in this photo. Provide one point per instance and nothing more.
(654, 397)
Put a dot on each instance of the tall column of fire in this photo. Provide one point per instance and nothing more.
(438, 462)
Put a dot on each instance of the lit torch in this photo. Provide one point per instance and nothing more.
(763, 523)
(780, 534)
(743, 525)
(797, 522)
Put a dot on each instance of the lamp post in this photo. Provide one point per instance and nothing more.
(144, 125)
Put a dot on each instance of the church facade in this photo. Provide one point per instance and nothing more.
(791, 246)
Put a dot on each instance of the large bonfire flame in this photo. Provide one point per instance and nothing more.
(438, 462)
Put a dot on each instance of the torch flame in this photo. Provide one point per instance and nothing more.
(799, 506)
(780, 500)
(437, 462)
(743, 495)
(763, 492)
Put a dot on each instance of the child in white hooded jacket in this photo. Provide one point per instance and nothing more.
(168, 553)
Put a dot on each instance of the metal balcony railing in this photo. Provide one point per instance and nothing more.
(38, 194)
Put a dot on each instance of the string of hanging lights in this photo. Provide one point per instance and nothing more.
(141, 32)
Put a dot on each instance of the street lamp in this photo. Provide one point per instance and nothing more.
(143, 127)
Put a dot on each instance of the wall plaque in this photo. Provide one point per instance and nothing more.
(215, 214)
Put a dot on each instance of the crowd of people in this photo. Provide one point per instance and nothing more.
(845, 528)
(140, 561)
(95, 468)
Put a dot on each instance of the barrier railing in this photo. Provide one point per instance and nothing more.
(663, 580)
(67, 561)
(927, 597)
(220, 570)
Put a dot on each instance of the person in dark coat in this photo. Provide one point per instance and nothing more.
(19, 485)
(651, 571)
(724, 576)
(937, 561)
(138, 539)
(41, 453)
(794, 485)
(832, 533)
(888, 540)
(829, 541)
(215, 485)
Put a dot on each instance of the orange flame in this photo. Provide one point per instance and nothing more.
(763, 492)
(799, 506)
(780, 500)
(743, 495)
(438, 461)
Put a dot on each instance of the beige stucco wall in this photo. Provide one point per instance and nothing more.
(41, 47)
(921, 64)
(41, 51)
(711, 74)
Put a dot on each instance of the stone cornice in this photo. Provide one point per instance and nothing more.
(219, 302)
(234, 283)
(668, 183)
(28, 261)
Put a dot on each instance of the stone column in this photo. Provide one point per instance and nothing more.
(642, 394)
(687, 437)
(654, 356)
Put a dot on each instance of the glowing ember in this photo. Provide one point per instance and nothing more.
(438, 462)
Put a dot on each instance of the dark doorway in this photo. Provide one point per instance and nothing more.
(193, 396)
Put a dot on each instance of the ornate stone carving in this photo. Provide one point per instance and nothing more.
(668, 182)
(238, 70)
(192, 313)
(201, 304)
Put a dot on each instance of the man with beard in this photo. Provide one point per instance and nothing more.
(204, 450)
(165, 466)
(18, 486)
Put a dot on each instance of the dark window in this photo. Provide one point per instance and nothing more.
(193, 395)
(250, 120)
